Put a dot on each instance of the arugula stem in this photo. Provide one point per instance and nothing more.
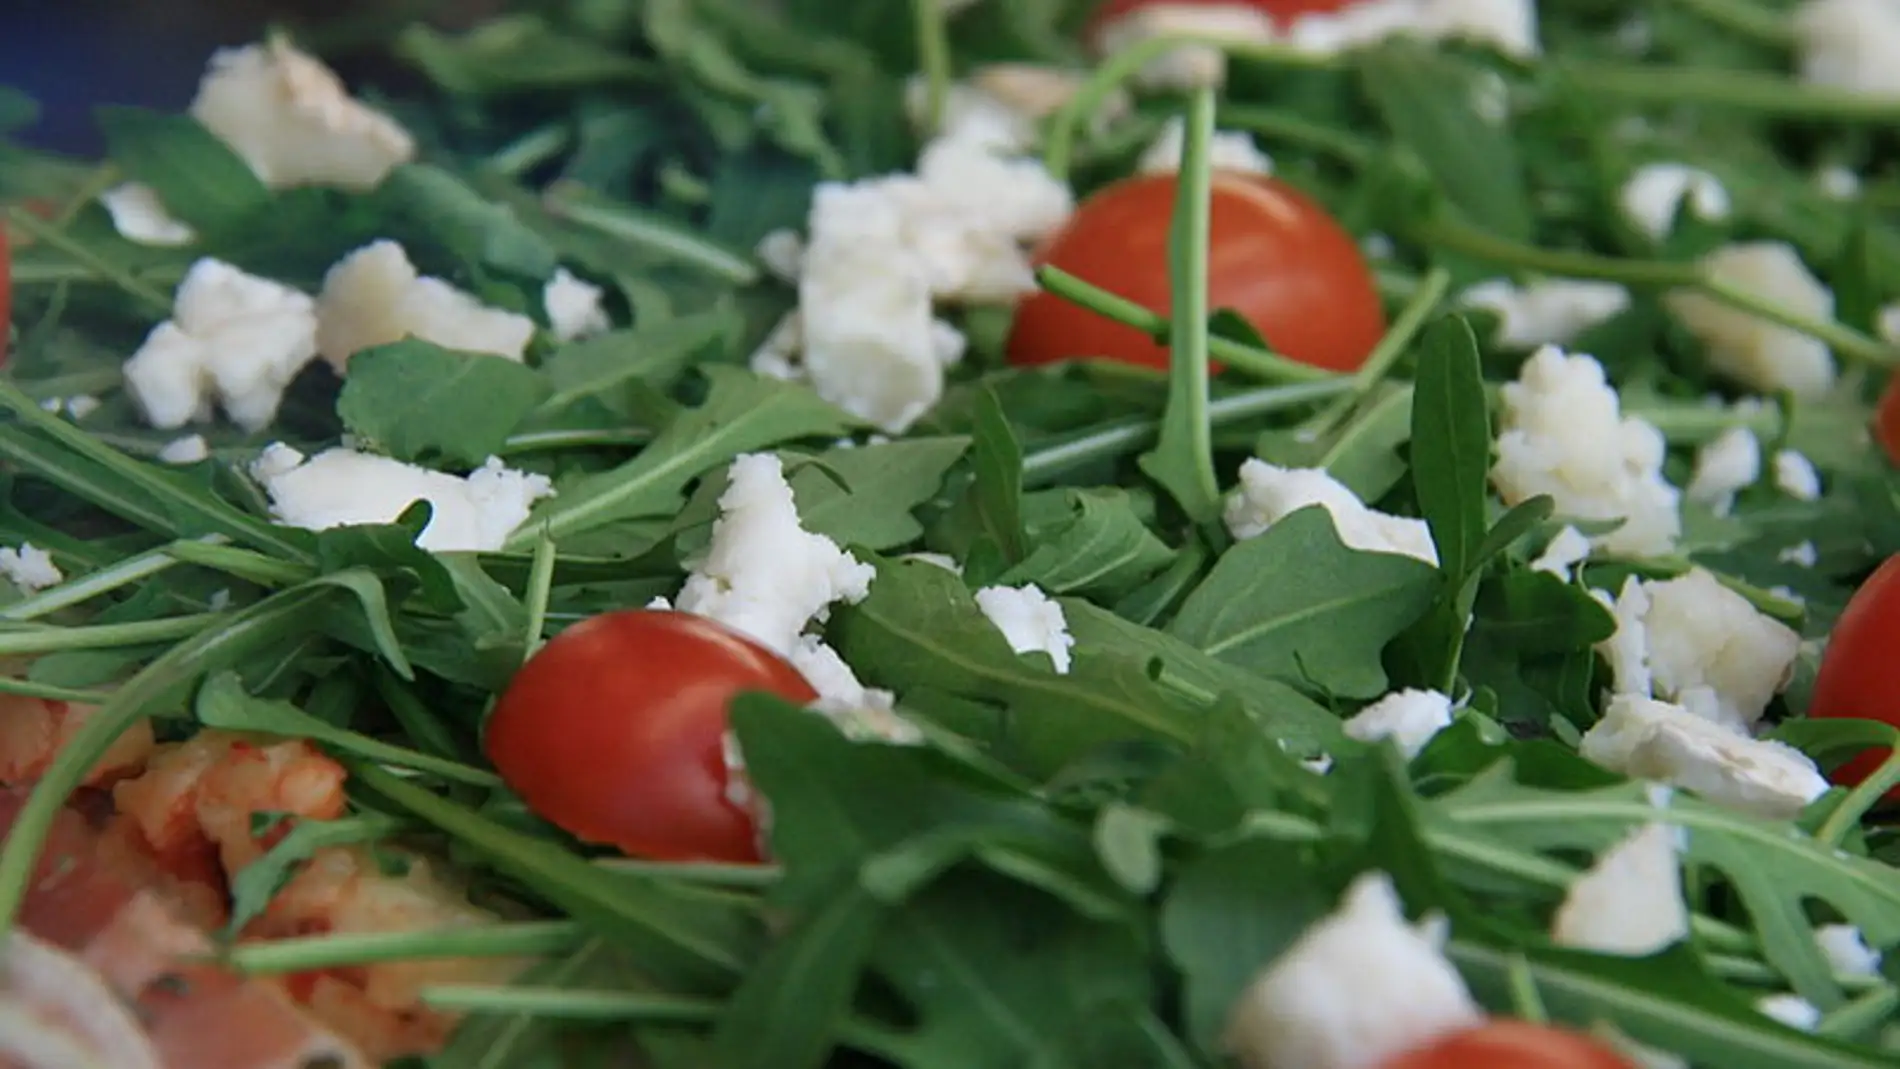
(1861, 1014)
(1744, 91)
(565, 200)
(933, 59)
(1526, 1002)
(1847, 343)
(1750, 971)
(29, 689)
(589, 438)
(1746, 19)
(1279, 124)
(252, 567)
(710, 873)
(1694, 423)
(47, 639)
(74, 591)
(502, 940)
(54, 237)
(98, 180)
(1450, 235)
(1865, 795)
(1260, 363)
(1398, 338)
(529, 151)
(540, 587)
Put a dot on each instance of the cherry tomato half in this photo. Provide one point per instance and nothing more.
(1859, 676)
(1505, 1044)
(1282, 12)
(1887, 420)
(614, 731)
(1274, 256)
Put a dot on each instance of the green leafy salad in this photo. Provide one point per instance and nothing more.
(1005, 534)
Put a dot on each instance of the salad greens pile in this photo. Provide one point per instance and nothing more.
(1075, 869)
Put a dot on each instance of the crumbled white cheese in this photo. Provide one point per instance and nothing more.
(1563, 434)
(29, 567)
(374, 296)
(81, 405)
(1358, 987)
(293, 122)
(782, 252)
(1801, 553)
(189, 449)
(1030, 620)
(1847, 951)
(1648, 739)
(1630, 901)
(1547, 312)
(1006, 101)
(1649, 198)
(1763, 356)
(1796, 477)
(859, 711)
(573, 306)
(1227, 150)
(1700, 645)
(1837, 182)
(1849, 44)
(1354, 26)
(1791, 1010)
(937, 560)
(1187, 66)
(1569, 548)
(1510, 26)
(345, 488)
(1725, 466)
(234, 340)
(1410, 718)
(138, 215)
(1268, 494)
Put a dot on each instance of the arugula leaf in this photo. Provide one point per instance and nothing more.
(392, 547)
(1362, 454)
(419, 402)
(600, 366)
(435, 202)
(1103, 548)
(197, 177)
(787, 1013)
(996, 491)
(1294, 603)
(515, 53)
(884, 484)
(1451, 444)
(254, 885)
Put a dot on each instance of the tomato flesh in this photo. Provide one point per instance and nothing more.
(1507, 1044)
(614, 731)
(1887, 420)
(1283, 12)
(1274, 256)
(1859, 676)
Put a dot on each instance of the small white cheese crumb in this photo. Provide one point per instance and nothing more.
(1410, 718)
(1650, 197)
(1226, 151)
(1847, 951)
(1630, 901)
(1838, 182)
(1849, 44)
(1648, 739)
(1725, 466)
(374, 296)
(1763, 356)
(1510, 26)
(29, 567)
(79, 406)
(1358, 987)
(1268, 494)
(1546, 312)
(573, 306)
(1006, 101)
(1801, 553)
(1791, 1010)
(292, 120)
(782, 252)
(1031, 621)
(138, 215)
(1567, 550)
(1563, 434)
(1189, 66)
(189, 449)
(938, 560)
(53, 404)
(1796, 477)
(344, 488)
(234, 340)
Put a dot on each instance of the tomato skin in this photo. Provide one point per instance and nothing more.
(1887, 420)
(1859, 676)
(1283, 12)
(614, 731)
(1509, 1044)
(1274, 256)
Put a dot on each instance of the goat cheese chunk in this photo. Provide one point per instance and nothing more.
(345, 488)
(1653, 195)
(1763, 356)
(139, 216)
(1358, 987)
(291, 119)
(1726, 465)
(29, 567)
(189, 449)
(374, 296)
(1410, 718)
(1648, 739)
(1268, 494)
(573, 306)
(1031, 621)
(235, 341)
(1796, 477)
(1849, 44)
(1228, 150)
(1567, 549)
(1847, 950)
(1792, 1010)
(1563, 434)
(1694, 642)
(1630, 901)
(1191, 66)
(1546, 312)
(1509, 26)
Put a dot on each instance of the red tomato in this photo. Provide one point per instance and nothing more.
(1506, 1044)
(614, 731)
(1283, 12)
(1860, 676)
(1887, 420)
(1274, 256)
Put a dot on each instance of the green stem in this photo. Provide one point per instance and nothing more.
(46, 691)
(588, 438)
(1862, 798)
(100, 179)
(1861, 1015)
(1425, 300)
(709, 873)
(1748, 91)
(933, 59)
(1279, 125)
(1745, 18)
(1847, 343)
(529, 151)
(1750, 971)
(1189, 233)
(248, 565)
(622, 222)
(539, 589)
(1695, 423)
(123, 574)
(1526, 1002)
(1272, 367)
(53, 237)
(1451, 236)
(526, 939)
(44, 639)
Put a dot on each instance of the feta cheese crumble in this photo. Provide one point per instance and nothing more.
(291, 119)
(1410, 718)
(1268, 494)
(1563, 434)
(1763, 356)
(1792, 1010)
(1653, 194)
(1849, 44)
(1801, 553)
(344, 488)
(374, 296)
(1358, 987)
(1567, 549)
(1006, 99)
(1629, 902)
(1647, 739)
(189, 449)
(235, 341)
(1726, 465)
(1847, 951)
(1189, 66)
(1227, 150)
(1796, 477)
(1546, 312)
(573, 306)
(139, 216)
(1031, 621)
(29, 567)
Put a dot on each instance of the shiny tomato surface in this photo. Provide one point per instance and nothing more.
(1860, 671)
(1274, 256)
(615, 730)
(1506, 1044)
(1283, 12)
